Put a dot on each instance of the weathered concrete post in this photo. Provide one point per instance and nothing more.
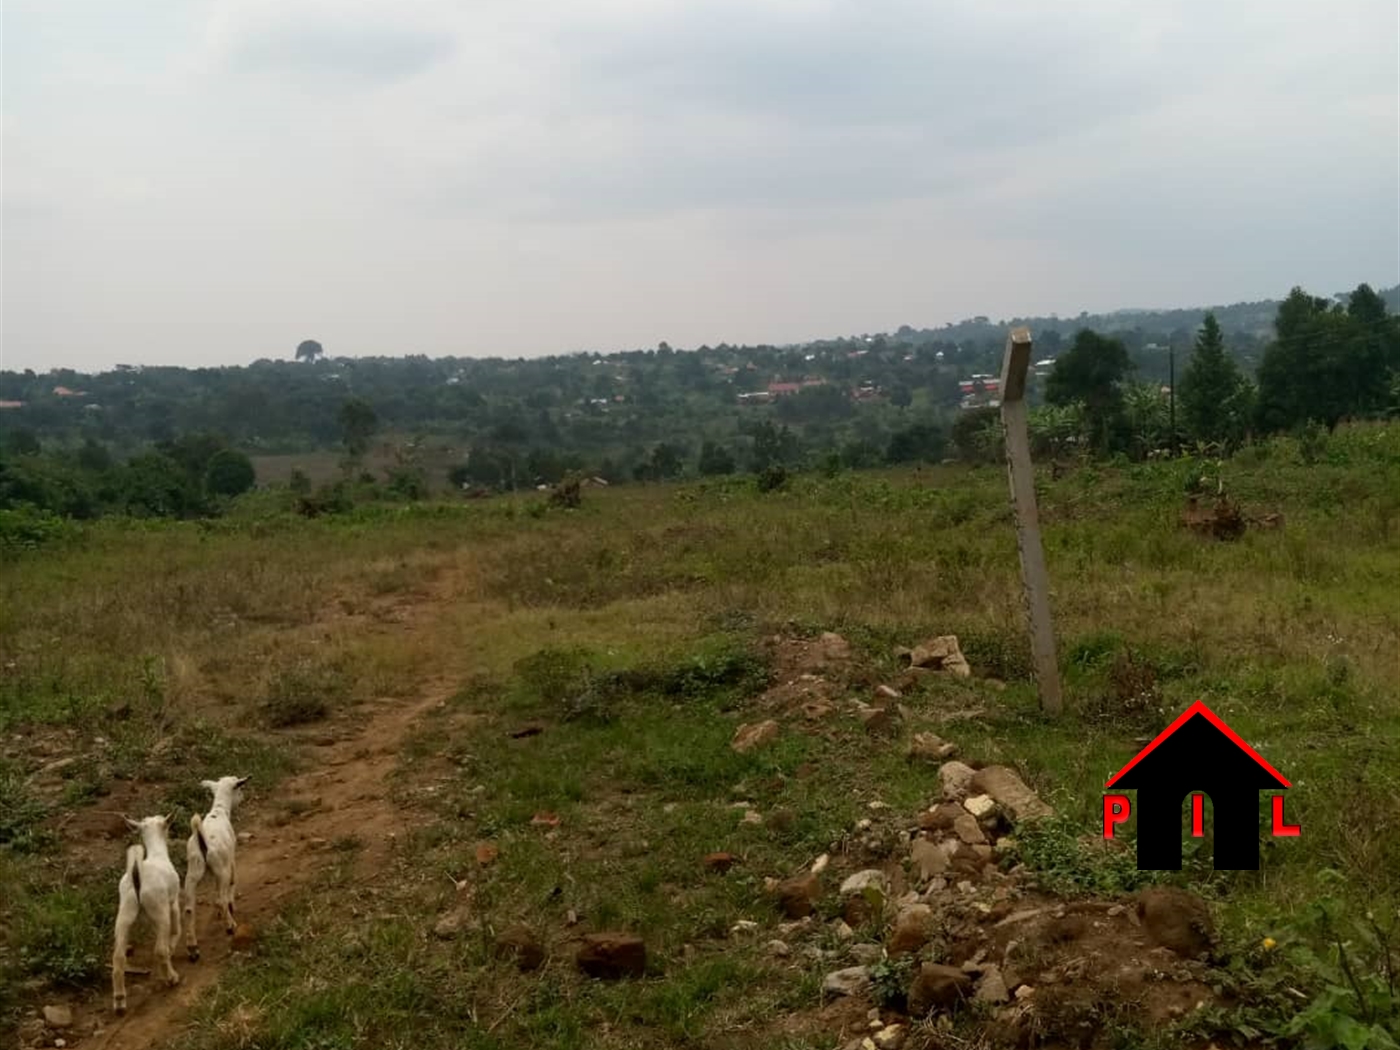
(1018, 460)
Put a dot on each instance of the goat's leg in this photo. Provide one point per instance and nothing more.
(232, 888)
(126, 916)
(162, 923)
(193, 873)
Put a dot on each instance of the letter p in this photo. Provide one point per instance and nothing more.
(1115, 810)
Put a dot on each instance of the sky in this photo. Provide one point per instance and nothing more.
(209, 182)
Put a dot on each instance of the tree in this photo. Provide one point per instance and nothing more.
(22, 442)
(922, 442)
(715, 459)
(94, 457)
(309, 350)
(1092, 371)
(357, 425)
(973, 434)
(1213, 394)
(901, 396)
(230, 473)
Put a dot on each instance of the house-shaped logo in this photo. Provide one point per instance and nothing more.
(1197, 755)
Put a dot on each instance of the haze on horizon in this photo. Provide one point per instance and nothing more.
(204, 182)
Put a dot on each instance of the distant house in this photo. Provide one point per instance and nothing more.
(782, 389)
(63, 391)
(756, 397)
(11, 404)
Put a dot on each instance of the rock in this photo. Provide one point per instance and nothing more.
(612, 955)
(887, 692)
(875, 719)
(890, 1037)
(748, 737)
(743, 926)
(928, 859)
(779, 949)
(1024, 992)
(518, 942)
(930, 747)
(984, 853)
(911, 930)
(863, 880)
(956, 780)
(753, 816)
(720, 862)
(58, 1016)
(486, 853)
(243, 937)
(819, 865)
(450, 925)
(983, 807)
(864, 824)
(1176, 919)
(832, 648)
(1010, 793)
(941, 654)
(937, 987)
(857, 910)
(940, 817)
(992, 987)
(854, 980)
(967, 829)
(797, 896)
(867, 954)
(843, 930)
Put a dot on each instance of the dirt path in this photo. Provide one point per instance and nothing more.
(350, 784)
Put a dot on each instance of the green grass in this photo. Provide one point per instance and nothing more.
(630, 629)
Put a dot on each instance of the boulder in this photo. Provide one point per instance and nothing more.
(992, 986)
(930, 747)
(929, 860)
(983, 807)
(956, 780)
(612, 955)
(940, 654)
(1010, 792)
(797, 897)
(911, 930)
(1176, 919)
(937, 987)
(854, 980)
(749, 737)
(58, 1016)
(966, 828)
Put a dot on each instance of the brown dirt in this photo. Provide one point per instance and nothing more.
(276, 862)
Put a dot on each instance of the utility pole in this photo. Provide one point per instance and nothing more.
(1171, 391)
(1034, 579)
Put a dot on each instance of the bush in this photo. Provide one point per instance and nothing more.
(304, 693)
(230, 473)
(28, 529)
(20, 814)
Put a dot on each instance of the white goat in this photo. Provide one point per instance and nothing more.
(149, 884)
(212, 843)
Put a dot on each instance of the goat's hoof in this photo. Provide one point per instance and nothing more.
(173, 980)
(194, 954)
(119, 1010)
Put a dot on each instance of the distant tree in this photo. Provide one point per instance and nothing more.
(1092, 371)
(155, 486)
(22, 442)
(860, 454)
(901, 396)
(299, 483)
(715, 459)
(358, 423)
(667, 461)
(1213, 395)
(922, 442)
(309, 350)
(230, 473)
(94, 457)
(971, 434)
(773, 446)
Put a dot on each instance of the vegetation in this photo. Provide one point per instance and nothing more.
(629, 630)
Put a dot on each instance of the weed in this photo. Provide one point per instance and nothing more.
(305, 692)
(20, 814)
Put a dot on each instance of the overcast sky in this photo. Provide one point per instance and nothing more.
(209, 181)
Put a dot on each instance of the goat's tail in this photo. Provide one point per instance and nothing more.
(196, 826)
(134, 856)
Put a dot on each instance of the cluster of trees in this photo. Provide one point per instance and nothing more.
(185, 477)
(660, 414)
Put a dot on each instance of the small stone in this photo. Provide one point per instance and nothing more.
(967, 829)
(317, 843)
(58, 1016)
(60, 1042)
(752, 817)
(854, 980)
(955, 778)
(866, 954)
(1115, 911)
(245, 836)
(983, 807)
(720, 862)
(518, 942)
(243, 937)
(744, 926)
(863, 880)
(819, 865)
(1006, 844)
(941, 654)
(748, 737)
(938, 885)
(930, 747)
(940, 817)
(1024, 992)
(876, 804)
(875, 719)
(796, 897)
(449, 926)
(486, 852)
(891, 1037)
(936, 986)
(984, 853)
(928, 859)
(888, 692)
(779, 949)
(992, 988)
(864, 824)
(843, 930)
(911, 930)
(612, 955)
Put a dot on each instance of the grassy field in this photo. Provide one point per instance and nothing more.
(635, 634)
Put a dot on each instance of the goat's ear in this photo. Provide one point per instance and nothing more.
(131, 823)
(209, 785)
(242, 781)
(170, 819)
